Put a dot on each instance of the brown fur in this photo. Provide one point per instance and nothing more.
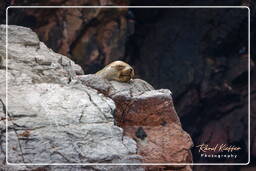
(118, 71)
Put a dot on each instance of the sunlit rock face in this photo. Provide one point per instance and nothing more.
(52, 117)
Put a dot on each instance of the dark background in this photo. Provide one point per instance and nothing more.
(201, 55)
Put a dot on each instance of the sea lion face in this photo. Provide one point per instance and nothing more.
(118, 70)
(124, 71)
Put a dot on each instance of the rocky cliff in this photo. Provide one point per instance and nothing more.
(203, 53)
(56, 114)
(200, 54)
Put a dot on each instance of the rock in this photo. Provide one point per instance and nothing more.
(106, 87)
(87, 35)
(149, 117)
(218, 57)
(20, 35)
(52, 117)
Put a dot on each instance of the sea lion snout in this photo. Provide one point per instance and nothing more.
(131, 70)
(127, 71)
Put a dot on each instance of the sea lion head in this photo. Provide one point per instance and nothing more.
(117, 70)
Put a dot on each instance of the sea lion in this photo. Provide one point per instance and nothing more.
(118, 71)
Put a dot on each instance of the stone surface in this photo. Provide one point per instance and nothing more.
(52, 117)
(92, 37)
(221, 51)
(149, 117)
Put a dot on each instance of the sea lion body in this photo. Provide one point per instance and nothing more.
(118, 71)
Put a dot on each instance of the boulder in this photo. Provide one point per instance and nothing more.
(53, 117)
(149, 117)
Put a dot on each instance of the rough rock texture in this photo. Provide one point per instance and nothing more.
(149, 117)
(52, 117)
(220, 49)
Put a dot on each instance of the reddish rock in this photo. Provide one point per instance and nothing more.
(149, 117)
(151, 108)
(90, 36)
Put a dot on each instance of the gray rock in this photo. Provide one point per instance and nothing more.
(19, 35)
(112, 88)
(52, 116)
